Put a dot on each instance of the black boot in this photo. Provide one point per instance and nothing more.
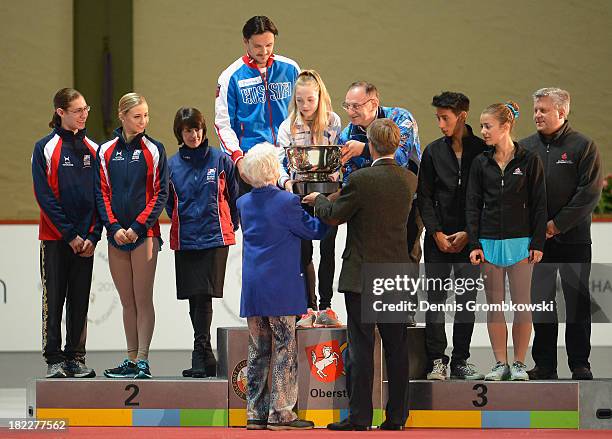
(203, 362)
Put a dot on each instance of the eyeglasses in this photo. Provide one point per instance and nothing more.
(354, 107)
(80, 110)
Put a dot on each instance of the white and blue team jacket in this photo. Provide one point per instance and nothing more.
(251, 105)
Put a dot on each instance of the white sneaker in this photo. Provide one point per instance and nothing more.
(518, 372)
(307, 320)
(500, 372)
(438, 372)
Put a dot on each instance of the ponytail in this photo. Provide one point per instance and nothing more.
(62, 100)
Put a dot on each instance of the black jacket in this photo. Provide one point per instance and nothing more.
(442, 184)
(508, 204)
(572, 166)
(373, 204)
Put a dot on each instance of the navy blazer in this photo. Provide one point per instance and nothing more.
(273, 224)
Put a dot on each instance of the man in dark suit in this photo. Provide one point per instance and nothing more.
(375, 204)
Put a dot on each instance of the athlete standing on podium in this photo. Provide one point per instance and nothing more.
(506, 223)
(253, 94)
(312, 121)
(63, 168)
(131, 192)
(443, 178)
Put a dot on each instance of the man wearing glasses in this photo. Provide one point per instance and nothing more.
(362, 104)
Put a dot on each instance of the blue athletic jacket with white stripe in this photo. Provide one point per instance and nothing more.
(131, 185)
(251, 105)
(63, 168)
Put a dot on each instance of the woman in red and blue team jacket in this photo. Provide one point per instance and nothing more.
(63, 168)
(131, 191)
(202, 205)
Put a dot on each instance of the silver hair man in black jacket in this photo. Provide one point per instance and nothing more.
(572, 167)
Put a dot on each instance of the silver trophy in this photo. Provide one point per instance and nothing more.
(312, 166)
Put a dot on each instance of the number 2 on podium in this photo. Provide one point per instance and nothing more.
(129, 402)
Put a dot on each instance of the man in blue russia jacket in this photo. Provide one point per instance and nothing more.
(253, 93)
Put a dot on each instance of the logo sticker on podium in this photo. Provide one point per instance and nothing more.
(326, 360)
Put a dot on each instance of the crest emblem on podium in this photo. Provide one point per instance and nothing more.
(326, 360)
(239, 379)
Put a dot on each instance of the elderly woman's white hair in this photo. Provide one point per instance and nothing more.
(260, 165)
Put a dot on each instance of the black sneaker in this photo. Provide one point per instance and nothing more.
(582, 373)
(297, 424)
(542, 373)
(465, 371)
(78, 369)
(56, 370)
(143, 370)
(127, 369)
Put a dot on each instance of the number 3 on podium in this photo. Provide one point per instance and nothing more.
(481, 400)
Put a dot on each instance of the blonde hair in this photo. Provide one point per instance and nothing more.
(323, 111)
(260, 165)
(384, 136)
(504, 113)
(129, 101)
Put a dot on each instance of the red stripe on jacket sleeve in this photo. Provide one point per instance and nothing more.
(175, 228)
(152, 188)
(225, 217)
(46, 229)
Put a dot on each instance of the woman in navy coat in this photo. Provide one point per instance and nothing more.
(202, 206)
(273, 289)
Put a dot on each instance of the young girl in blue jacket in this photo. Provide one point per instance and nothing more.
(202, 206)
